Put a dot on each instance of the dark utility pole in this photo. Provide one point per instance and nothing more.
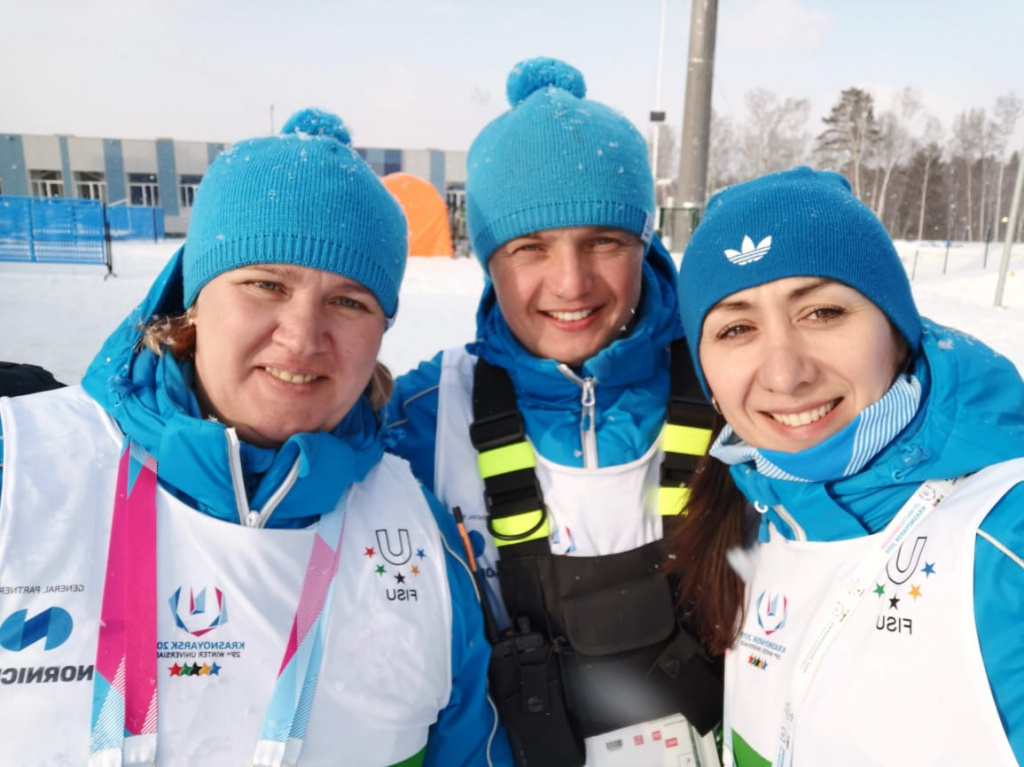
(1004, 263)
(693, 152)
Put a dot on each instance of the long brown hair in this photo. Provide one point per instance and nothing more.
(710, 591)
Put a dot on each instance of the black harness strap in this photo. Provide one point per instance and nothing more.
(510, 496)
(690, 414)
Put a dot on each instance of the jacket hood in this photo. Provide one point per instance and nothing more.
(151, 398)
(971, 416)
(631, 373)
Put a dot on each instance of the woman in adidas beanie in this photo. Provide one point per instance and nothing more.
(214, 561)
(880, 456)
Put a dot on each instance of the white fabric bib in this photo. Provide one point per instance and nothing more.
(904, 681)
(593, 512)
(227, 596)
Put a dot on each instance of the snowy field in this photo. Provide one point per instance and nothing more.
(58, 315)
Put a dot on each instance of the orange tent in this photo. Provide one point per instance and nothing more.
(426, 212)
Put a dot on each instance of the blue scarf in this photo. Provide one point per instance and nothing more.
(841, 455)
(153, 402)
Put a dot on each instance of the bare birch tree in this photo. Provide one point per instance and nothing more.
(774, 136)
(969, 142)
(931, 138)
(895, 139)
(723, 154)
(1007, 111)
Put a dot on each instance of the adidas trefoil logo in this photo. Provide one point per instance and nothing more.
(748, 253)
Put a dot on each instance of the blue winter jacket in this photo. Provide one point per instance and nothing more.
(151, 398)
(971, 416)
(630, 379)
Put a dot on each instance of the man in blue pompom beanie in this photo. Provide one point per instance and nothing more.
(552, 434)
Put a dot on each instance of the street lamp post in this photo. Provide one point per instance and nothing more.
(657, 115)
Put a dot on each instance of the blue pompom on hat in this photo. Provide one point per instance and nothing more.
(797, 223)
(554, 160)
(304, 197)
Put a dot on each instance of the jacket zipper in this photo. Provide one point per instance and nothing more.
(588, 427)
(798, 532)
(247, 516)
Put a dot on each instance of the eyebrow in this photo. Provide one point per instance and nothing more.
(796, 293)
(357, 287)
(284, 270)
(810, 287)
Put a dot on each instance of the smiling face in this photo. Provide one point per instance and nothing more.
(793, 361)
(283, 349)
(568, 293)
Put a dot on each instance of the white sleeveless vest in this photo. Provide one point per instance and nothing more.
(227, 597)
(592, 512)
(904, 682)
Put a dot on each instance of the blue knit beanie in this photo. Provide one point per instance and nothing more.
(304, 197)
(798, 223)
(555, 160)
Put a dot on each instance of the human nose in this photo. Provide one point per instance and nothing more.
(786, 363)
(572, 273)
(300, 327)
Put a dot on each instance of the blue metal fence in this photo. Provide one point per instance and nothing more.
(62, 230)
(52, 230)
(135, 222)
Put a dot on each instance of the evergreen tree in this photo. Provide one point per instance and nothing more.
(851, 133)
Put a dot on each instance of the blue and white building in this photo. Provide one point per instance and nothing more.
(164, 173)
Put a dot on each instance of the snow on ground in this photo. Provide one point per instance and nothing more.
(58, 315)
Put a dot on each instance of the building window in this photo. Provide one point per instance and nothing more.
(188, 187)
(455, 199)
(455, 195)
(392, 161)
(143, 189)
(90, 185)
(47, 183)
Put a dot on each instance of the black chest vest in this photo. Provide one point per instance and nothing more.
(596, 643)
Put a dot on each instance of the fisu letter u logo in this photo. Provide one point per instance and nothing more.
(19, 631)
(396, 556)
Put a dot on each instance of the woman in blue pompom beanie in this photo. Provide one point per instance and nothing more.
(878, 622)
(206, 555)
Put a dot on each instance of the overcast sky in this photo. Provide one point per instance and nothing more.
(431, 73)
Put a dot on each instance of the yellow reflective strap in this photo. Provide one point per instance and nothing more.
(672, 500)
(686, 439)
(505, 460)
(519, 525)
